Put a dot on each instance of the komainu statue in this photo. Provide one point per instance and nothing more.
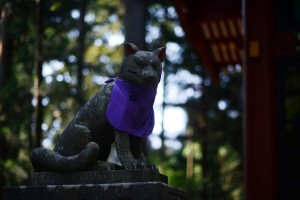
(122, 112)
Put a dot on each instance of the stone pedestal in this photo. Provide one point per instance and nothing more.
(96, 177)
(92, 185)
(134, 191)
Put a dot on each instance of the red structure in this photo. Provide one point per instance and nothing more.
(260, 111)
(214, 30)
(263, 36)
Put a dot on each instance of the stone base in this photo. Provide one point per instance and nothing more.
(114, 191)
(96, 177)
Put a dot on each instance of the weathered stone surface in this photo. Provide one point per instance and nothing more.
(134, 191)
(96, 177)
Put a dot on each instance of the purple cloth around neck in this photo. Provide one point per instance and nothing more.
(130, 108)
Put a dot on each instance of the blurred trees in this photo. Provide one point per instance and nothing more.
(16, 63)
(43, 48)
(74, 46)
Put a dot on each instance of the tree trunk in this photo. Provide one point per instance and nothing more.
(135, 22)
(6, 44)
(38, 78)
(81, 50)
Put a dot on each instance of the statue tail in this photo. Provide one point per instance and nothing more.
(46, 160)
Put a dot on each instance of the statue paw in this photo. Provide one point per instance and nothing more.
(139, 164)
(142, 163)
(153, 168)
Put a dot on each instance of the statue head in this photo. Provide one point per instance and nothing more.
(142, 68)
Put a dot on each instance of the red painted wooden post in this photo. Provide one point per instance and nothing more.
(260, 101)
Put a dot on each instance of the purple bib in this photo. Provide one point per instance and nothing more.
(130, 108)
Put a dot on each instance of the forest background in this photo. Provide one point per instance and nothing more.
(54, 55)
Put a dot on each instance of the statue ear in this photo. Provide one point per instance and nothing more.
(161, 53)
(129, 49)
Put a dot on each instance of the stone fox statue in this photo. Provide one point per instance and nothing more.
(122, 112)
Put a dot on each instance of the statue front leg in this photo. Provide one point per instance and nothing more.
(136, 146)
(124, 152)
